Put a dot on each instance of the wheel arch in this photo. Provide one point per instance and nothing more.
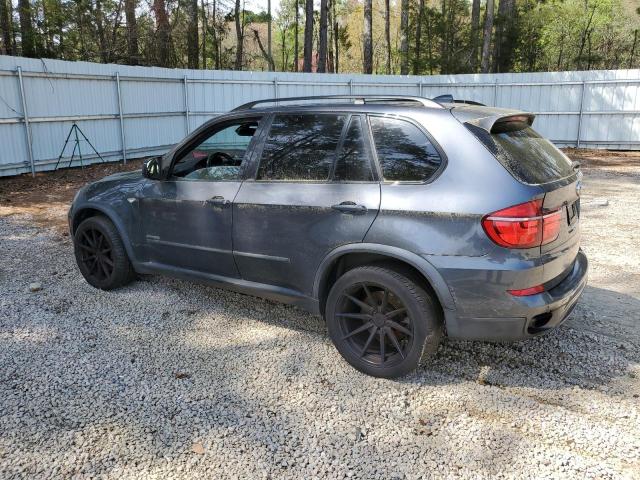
(353, 255)
(91, 210)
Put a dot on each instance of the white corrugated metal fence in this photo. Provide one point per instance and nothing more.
(129, 112)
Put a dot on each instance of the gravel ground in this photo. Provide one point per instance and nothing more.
(166, 379)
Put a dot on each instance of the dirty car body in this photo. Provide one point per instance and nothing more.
(466, 200)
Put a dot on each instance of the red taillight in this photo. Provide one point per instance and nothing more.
(523, 225)
(527, 291)
(551, 226)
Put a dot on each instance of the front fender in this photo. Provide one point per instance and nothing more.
(419, 263)
(111, 214)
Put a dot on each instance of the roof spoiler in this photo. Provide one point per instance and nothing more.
(502, 122)
(448, 98)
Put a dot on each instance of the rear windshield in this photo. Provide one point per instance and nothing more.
(529, 157)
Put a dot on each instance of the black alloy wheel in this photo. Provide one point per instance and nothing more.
(375, 324)
(382, 320)
(96, 254)
(100, 254)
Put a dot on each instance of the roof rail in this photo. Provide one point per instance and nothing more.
(362, 98)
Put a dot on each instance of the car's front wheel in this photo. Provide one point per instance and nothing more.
(382, 321)
(100, 254)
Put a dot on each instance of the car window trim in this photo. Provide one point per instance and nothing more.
(206, 131)
(436, 145)
(258, 151)
(367, 150)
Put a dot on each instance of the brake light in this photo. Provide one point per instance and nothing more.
(523, 225)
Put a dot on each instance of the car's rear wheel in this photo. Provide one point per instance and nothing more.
(100, 254)
(381, 321)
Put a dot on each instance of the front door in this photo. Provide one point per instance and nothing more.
(187, 218)
(315, 189)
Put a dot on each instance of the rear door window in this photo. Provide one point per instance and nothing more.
(525, 153)
(404, 151)
(301, 147)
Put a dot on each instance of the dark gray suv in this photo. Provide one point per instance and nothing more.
(399, 219)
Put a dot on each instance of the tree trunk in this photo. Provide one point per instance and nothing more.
(132, 31)
(404, 37)
(486, 37)
(239, 39)
(296, 47)
(367, 39)
(330, 43)
(585, 34)
(444, 44)
(322, 48)
(416, 60)
(308, 36)
(192, 34)
(102, 42)
(429, 44)
(26, 29)
(163, 31)
(5, 26)
(203, 12)
(264, 52)
(216, 43)
(272, 67)
(336, 39)
(284, 50)
(387, 33)
(505, 36)
(475, 33)
(60, 30)
(633, 48)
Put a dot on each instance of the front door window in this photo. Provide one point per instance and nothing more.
(219, 155)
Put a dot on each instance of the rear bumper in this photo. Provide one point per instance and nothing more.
(530, 316)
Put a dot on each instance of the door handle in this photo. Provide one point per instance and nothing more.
(351, 208)
(219, 201)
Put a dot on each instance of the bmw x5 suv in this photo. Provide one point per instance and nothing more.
(399, 219)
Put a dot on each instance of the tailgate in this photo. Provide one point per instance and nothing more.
(559, 255)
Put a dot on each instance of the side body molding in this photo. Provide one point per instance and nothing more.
(416, 261)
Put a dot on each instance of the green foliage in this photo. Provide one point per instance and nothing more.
(539, 35)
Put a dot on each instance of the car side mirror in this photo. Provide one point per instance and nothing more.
(151, 169)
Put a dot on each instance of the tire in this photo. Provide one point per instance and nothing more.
(374, 335)
(100, 254)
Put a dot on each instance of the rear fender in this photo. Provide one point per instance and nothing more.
(419, 263)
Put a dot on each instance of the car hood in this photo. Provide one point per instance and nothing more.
(134, 175)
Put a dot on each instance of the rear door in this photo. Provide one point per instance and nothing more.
(315, 189)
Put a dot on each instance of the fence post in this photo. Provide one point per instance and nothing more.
(186, 103)
(120, 114)
(420, 88)
(25, 118)
(584, 86)
(351, 86)
(495, 94)
(275, 90)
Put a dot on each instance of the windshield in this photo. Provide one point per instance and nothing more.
(529, 157)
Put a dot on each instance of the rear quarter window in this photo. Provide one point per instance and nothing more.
(404, 151)
(528, 156)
